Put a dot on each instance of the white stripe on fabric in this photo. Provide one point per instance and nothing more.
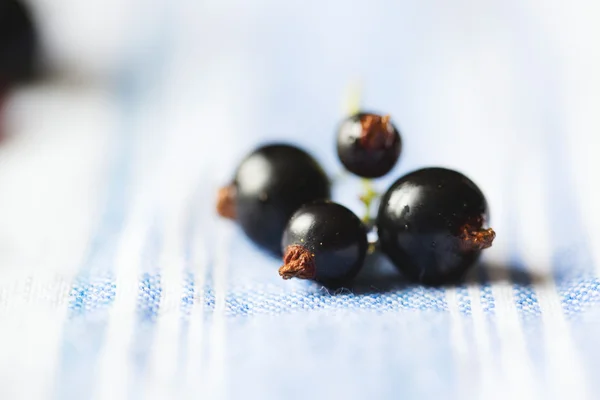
(458, 343)
(488, 377)
(565, 375)
(217, 387)
(177, 178)
(32, 309)
(163, 359)
(514, 360)
(193, 380)
(114, 365)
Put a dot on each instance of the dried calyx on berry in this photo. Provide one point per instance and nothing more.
(298, 262)
(226, 202)
(324, 241)
(368, 144)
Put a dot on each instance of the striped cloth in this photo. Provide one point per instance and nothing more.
(117, 281)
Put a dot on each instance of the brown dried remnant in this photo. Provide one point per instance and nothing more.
(298, 262)
(377, 132)
(477, 239)
(226, 202)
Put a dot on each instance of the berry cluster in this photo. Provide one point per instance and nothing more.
(430, 223)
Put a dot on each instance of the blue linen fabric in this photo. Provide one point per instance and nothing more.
(119, 282)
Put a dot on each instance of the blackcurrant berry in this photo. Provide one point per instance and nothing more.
(17, 48)
(17, 42)
(324, 241)
(269, 186)
(431, 224)
(368, 145)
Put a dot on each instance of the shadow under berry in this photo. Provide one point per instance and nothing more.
(380, 276)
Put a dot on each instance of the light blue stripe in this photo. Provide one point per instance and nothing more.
(464, 300)
(148, 304)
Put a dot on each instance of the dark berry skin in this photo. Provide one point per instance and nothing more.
(368, 145)
(17, 43)
(431, 225)
(269, 186)
(17, 48)
(324, 241)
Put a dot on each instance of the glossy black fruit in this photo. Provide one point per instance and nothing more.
(17, 43)
(324, 241)
(269, 186)
(431, 224)
(368, 144)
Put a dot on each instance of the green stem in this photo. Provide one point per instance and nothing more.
(353, 98)
(369, 194)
